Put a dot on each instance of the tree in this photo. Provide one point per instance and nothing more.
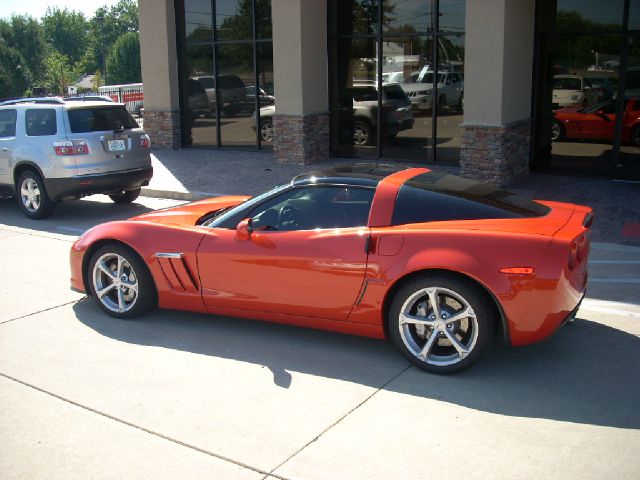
(15, 77)
(67, 32)
(105, 27)
(123, 61)
(58, 73)
(26, 35)
(96, 81)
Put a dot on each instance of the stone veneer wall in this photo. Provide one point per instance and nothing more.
(163, 128)
(301, 139)
(497, 155)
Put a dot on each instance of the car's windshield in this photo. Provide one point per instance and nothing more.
(217, 221)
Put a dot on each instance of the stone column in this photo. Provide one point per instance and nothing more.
(158, 55)
(300, 67)
(496, 136)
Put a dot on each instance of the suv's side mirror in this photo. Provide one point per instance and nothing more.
(244, 230)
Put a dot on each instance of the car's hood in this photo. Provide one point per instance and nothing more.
(189, 213)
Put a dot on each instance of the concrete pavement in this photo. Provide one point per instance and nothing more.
(181, 395)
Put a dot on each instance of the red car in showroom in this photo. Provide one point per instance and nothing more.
(437, 263)
(597, 122)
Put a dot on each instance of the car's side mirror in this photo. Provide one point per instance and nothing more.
(244, 230)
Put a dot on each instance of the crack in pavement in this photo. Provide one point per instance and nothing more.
(41, 311)
(143, 429)
(290, 457)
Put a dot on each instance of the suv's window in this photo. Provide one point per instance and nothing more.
(207, 82)
(40, 122)
(438, 196)
(100, 119)
(308, 208)
(7, 123)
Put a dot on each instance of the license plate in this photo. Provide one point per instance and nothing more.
(116, 145)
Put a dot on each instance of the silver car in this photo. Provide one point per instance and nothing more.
(53, 150)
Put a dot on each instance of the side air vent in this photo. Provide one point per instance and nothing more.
(176, 272)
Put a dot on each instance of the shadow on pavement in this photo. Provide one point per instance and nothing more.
(586, 374)
(82, 214)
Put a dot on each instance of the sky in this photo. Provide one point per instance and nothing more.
(37, 8)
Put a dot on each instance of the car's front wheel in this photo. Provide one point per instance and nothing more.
(127, 196)
(441, 324)
(120, 283)
(32, 196)
(266, 129)
(362, 133)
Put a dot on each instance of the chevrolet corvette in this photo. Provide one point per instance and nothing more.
(438, 264)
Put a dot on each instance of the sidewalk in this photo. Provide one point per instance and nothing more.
(191, 174)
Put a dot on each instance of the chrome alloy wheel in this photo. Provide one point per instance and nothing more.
(30, 195)
(438, 326)
(555, 131)
(115, 282)
(360, 134)
(266, 131)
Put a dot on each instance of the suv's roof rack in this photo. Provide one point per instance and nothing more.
(49, 100)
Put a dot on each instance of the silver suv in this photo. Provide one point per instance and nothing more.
(53, 150)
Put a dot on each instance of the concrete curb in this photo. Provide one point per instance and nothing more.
(173, 195)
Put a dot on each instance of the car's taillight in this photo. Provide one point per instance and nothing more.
(145, 141)
(73, 147)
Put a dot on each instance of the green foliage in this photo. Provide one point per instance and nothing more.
(15, 76)
(66, 31)
(58, 73)
(24, 34)
(123, 61)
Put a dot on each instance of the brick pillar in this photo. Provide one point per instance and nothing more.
(163, 128)
(498, 71)
(300, 65)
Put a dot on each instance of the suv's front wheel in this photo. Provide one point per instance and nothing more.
(32, 196)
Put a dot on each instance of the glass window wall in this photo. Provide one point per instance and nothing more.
(387, 89)
(226, 68)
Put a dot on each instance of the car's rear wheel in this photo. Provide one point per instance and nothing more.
(32, 196)
(127, 196)
(120, 283)
(557, 131)
(441, 324)
(362, 133)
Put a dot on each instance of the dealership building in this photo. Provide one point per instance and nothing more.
(498, 87)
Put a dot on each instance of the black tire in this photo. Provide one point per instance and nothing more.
(32, 196)
(146, 297)
(362, 133)
(473, 332)
(557, 131)
(635, 136)
(127, 196)
(230, 111)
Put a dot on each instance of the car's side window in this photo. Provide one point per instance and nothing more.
(7, 123)
(40, 122)
(313, 207)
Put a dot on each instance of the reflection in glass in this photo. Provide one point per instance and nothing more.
(267, 100)
(235, 73)
(629, 163)
(356, 16)
(263, 19)
(198, 20)
(198, 105)
(407, 16)
(584, 86)
(589, 15)
(452, 16)
(355, 100)
(234, 19)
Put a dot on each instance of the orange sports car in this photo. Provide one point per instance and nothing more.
(437, 263)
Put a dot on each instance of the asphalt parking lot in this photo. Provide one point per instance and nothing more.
(181, 395)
